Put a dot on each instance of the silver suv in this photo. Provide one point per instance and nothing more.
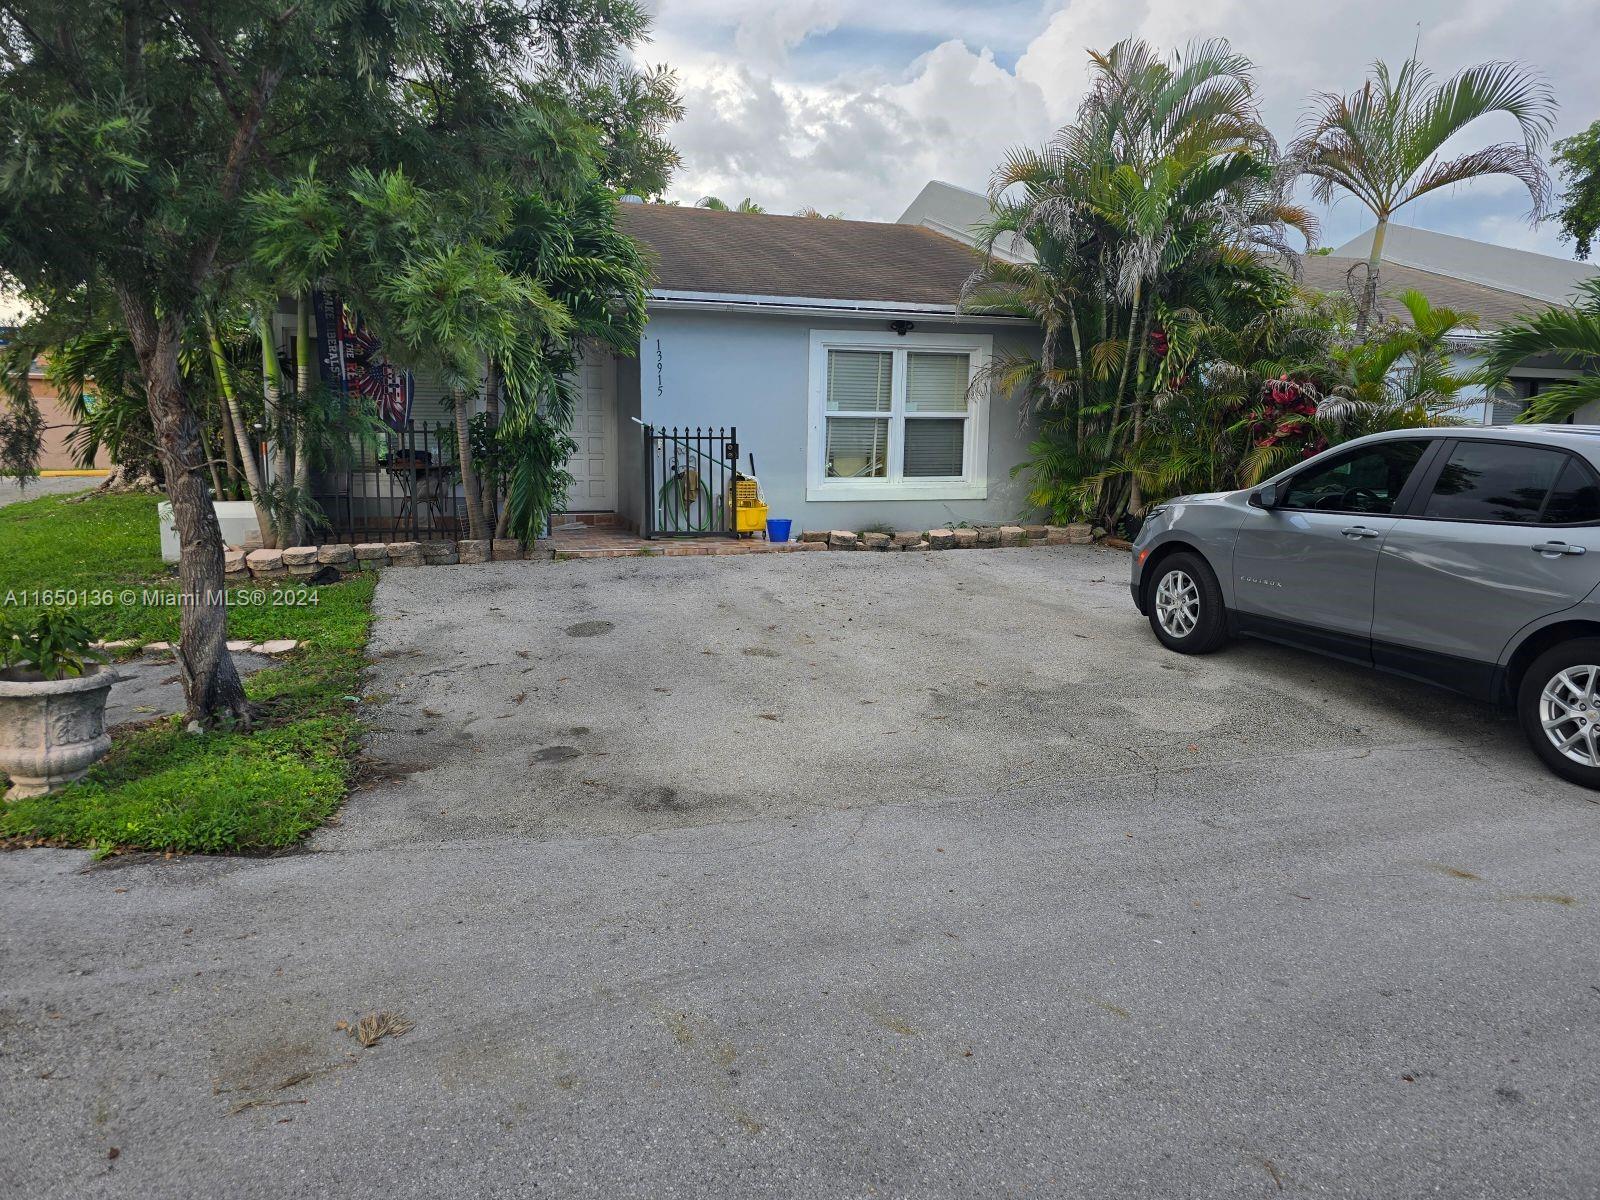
(1466, 557)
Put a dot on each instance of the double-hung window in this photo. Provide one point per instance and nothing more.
(897, 417)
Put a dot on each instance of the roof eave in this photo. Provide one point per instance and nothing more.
(820, 305)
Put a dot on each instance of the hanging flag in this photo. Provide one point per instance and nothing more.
(350, 359)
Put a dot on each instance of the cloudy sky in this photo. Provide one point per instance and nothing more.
(851, 105)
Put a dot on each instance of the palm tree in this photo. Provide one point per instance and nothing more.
(1381, 144)
(299, 238)
(746, 205)
(449, 303)
(600, 277)
(238, 429)
(1400, 375)
(1155, 198)
(1571, 335)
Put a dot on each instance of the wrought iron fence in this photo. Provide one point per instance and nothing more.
(405, 487)
(688, 474)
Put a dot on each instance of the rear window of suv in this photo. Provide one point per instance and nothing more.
(1501, 483)
(1575, 500)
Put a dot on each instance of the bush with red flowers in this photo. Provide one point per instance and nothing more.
(1284, 417)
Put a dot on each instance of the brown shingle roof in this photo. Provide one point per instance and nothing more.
(762, 254)
(759, 254)
(1493, 307)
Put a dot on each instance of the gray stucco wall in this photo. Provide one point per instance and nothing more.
(751, 371)
(629, 437)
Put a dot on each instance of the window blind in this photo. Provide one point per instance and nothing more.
(859, 380)
(936, 383)
(858, 447)
(933, 449)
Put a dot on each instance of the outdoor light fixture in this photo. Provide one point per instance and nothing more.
(901, 327)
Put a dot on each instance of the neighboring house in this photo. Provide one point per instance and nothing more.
(1496, 284)
(55, 453)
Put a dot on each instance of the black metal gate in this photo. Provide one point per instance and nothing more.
(688, 477)
(401, 486)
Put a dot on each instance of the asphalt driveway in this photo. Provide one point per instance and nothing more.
(837, 875)
(55, 485)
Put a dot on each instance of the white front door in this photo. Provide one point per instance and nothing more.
(594, 427)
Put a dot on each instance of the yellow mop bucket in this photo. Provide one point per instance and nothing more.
(749, 506)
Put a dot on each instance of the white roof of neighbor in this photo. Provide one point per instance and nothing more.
(954, 211)
(1521, 271)
(1497, 284)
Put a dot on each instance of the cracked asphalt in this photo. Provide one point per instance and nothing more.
(911, 875)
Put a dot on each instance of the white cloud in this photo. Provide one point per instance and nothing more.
(767, 34)
(885, 119)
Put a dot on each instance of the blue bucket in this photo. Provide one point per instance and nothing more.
(778, 531)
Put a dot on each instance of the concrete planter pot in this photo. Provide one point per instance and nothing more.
(51, 730)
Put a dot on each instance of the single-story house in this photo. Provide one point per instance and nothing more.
(835, 351)
(838, 353)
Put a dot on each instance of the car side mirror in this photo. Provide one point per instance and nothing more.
(1264, 497)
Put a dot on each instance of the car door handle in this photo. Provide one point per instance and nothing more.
(1557, 548)
(1359, 531)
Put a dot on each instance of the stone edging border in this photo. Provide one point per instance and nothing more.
(984, 536)
(273, 646)
(302, 562)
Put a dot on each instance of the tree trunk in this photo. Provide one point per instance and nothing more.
(241, 433)
(304, 383)
(230, 452)
(492, 386)
(1135, 492)
(1083, 379)
(271, 394)
(469, 476)
(211, 687)
(1127, 353)
(217, 492)
(1369, 290)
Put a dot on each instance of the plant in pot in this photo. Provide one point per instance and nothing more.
(53, 685)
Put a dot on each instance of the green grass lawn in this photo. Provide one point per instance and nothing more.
(161, 788)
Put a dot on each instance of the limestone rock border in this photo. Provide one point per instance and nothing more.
(303, 561)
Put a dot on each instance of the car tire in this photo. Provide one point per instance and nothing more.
(1185, 607)
(1569, 659)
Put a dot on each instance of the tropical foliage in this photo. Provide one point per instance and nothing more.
(1179, 353)
(142, 148)
(1146, 217)
(717, 204)
(1382, 143)
(1571, 336)
(1578, 159)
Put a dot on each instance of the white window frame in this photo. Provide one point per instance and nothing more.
(972, 485)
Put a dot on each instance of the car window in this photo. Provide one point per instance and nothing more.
(1493, 481)
(1365, 480)
(1575, 500)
